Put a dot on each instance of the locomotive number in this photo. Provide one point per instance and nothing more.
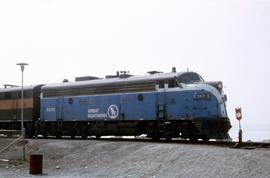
(50, 109)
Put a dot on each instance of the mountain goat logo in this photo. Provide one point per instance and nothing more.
(113, 112)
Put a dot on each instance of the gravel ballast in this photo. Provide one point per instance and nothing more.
(99, 158)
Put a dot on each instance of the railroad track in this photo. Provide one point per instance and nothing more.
(232, 144)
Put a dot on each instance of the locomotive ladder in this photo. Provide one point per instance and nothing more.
(161, 112)
(161, 119)
(163, 125)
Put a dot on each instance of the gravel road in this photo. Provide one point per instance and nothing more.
(94, 158)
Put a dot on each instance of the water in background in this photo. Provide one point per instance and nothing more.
(253, 132)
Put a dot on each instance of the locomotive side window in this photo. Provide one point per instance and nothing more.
(172, 83)
(13, 95)
(2, 96)
(28, 94)
(7, 96)
(161, 84)
(25, 94)
(101, 89)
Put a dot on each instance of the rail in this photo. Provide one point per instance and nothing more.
(222, 143)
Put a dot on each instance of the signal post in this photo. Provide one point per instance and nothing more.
(238, 113)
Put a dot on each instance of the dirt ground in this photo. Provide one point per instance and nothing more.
(99, 158)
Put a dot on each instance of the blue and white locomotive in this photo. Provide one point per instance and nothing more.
(160, 105)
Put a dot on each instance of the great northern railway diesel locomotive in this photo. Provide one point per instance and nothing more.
(159, 105)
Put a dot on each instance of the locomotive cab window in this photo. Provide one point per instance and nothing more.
(2, 96)
(189, 78)
(25, 94)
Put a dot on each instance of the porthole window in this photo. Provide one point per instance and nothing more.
(70, 100)
(140, 97)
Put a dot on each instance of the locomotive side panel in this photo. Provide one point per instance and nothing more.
(127, 107)
(10, 106)
(91, 108)
(10, 110)
(140, 106)
(48, 109)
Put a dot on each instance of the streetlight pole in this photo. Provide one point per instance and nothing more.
(22, 65)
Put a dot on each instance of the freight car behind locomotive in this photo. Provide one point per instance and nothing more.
(161, 105)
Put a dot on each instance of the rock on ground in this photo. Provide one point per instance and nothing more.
(94, 158)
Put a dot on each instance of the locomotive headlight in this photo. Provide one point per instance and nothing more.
(220, 85)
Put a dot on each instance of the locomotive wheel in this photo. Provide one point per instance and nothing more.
(205, 139)
(29, 134)
(153, 132)
(84, 136)
(44, 134)
(73, 133)
(58, 135)
(72, 136)
(84, 132)
(193, 139)
(155, 136)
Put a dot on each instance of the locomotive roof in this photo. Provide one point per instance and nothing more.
(14, 89)
(118, 80)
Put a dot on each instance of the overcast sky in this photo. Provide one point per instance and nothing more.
(222, 40)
